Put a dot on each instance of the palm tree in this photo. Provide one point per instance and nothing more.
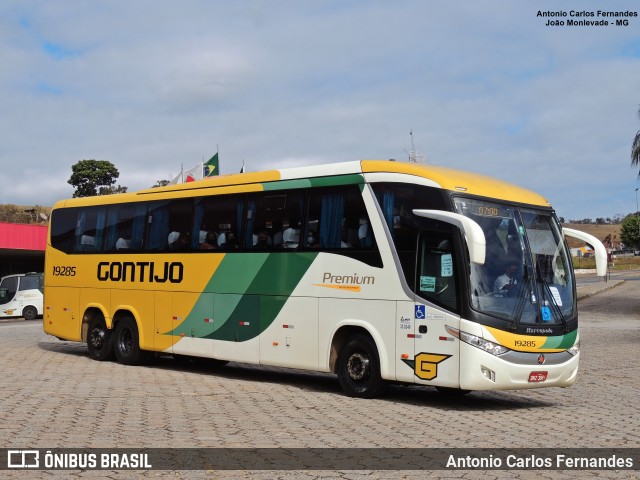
(635, 150)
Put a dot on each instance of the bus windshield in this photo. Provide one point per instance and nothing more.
(526, 277)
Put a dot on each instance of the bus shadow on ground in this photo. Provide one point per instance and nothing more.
(415, 395)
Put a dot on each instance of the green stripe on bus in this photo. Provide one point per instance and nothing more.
(335, 180)
(253, 293)
(563, 341)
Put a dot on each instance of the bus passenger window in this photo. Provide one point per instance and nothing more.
(339, 217)
(272, 220)
(90, 229)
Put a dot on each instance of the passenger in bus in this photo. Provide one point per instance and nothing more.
(349, 237)
(364, 233)
(277, 239)
(181, 244)
(312, 240)
(210, 242)
(230, 241)
(262, 242)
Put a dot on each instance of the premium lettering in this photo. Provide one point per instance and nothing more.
(141, 272)
(354, 279)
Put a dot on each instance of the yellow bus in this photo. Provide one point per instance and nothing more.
(374, 270)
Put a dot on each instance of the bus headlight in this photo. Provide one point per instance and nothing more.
(481, 343)
(575, 349)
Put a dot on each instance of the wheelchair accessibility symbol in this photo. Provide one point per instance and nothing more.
(420, 312)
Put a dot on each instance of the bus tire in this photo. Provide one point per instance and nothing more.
(359, 368)
(30, 312)
(127, 343)
(99, 340)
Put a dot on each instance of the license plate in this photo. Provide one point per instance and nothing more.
(537, 377)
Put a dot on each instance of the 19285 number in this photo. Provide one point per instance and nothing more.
(64, 271)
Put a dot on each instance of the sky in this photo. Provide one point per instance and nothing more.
(485, 86)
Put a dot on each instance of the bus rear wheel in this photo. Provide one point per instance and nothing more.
(359, 368)
(99, 340)
(30, 312)
(127, 343)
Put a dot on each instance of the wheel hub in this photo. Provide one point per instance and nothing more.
(358, 366)
(97, 338)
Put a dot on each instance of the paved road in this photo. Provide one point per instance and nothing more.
(54, 396)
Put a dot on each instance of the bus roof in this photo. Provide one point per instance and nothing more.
(446, 178)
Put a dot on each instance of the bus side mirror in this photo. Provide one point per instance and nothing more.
(473, 233)
(598, 248)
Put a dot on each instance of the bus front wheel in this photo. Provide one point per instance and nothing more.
(359, 368)
(127, 343)
(99, 340)
(29, 313)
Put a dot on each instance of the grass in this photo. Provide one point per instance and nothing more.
(621, 263)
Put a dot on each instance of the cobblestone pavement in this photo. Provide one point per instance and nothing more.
(54, 396)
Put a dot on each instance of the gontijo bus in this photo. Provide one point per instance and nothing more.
(374, 270)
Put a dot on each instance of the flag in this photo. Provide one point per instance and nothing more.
(242, 169)
(211, 167)
(193, 174)
(176, 180)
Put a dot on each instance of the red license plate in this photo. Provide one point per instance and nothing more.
(537, 377)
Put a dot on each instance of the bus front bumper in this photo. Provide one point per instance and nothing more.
(480, 370)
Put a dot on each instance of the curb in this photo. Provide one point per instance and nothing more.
(595, 291)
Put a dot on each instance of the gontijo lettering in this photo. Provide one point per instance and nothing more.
(141, 272)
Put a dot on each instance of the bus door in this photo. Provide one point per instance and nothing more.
(436, 360)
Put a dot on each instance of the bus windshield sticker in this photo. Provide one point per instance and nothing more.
(427, 283)
(556, 295)
(446, 265)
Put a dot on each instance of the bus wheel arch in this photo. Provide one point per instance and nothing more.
(29, 312)
(98, 337)
(355, 357)
(126, 340)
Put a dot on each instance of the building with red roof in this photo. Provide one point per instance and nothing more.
(22, 248)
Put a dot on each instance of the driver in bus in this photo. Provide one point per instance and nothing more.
(505, 282)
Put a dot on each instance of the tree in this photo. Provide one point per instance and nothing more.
(629, 233)
(635, 150)
(95, 177)
(161, 183)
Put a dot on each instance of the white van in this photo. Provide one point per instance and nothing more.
(21, 295)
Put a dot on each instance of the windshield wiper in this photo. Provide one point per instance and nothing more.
(522, 298)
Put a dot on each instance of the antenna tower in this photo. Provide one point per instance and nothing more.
(414, 156)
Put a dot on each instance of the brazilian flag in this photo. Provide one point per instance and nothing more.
(211, 168)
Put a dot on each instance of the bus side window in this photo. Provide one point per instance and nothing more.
(158, 227)
(339, 217)
(272, 220)
(220, 216)
(90, 229)
(63, 226)
(10, 286)
(436, 269)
